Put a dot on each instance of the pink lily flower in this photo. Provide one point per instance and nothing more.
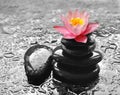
(76, 26)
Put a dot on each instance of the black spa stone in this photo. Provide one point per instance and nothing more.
(37, 62)
(91, 59)
(76, 62)
(73, 45)
(73, 77)
(81, 51)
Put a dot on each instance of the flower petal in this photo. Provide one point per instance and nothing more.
(85, 16)
(81, 38)
(69, 15)
(90, 28)
(61, 29)
(67, 25)
(64, 31)
(77, 30)
(69, 36)
(76, 13)
(63, 18)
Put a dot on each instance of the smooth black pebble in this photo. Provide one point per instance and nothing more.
(37, 62)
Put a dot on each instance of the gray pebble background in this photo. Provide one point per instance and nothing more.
(25, 22)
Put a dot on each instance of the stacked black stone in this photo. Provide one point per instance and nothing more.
(76, 62)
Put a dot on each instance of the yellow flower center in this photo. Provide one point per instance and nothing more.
(76, 21)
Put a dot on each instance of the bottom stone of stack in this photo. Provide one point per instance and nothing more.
(75, 78)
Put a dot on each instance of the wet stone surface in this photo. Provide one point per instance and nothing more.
(27, 22)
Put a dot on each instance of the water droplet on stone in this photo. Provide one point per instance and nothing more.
(53, 41)
(1, 54)
(32, 90)
(15, 89)
(9, 55)
(16, 58)
(26, 89)
(113, 46)
(24, 47)
(51, 86)
(9, 29)
(33, 43)
(102, 33)
(41, 90)
(46, 42)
